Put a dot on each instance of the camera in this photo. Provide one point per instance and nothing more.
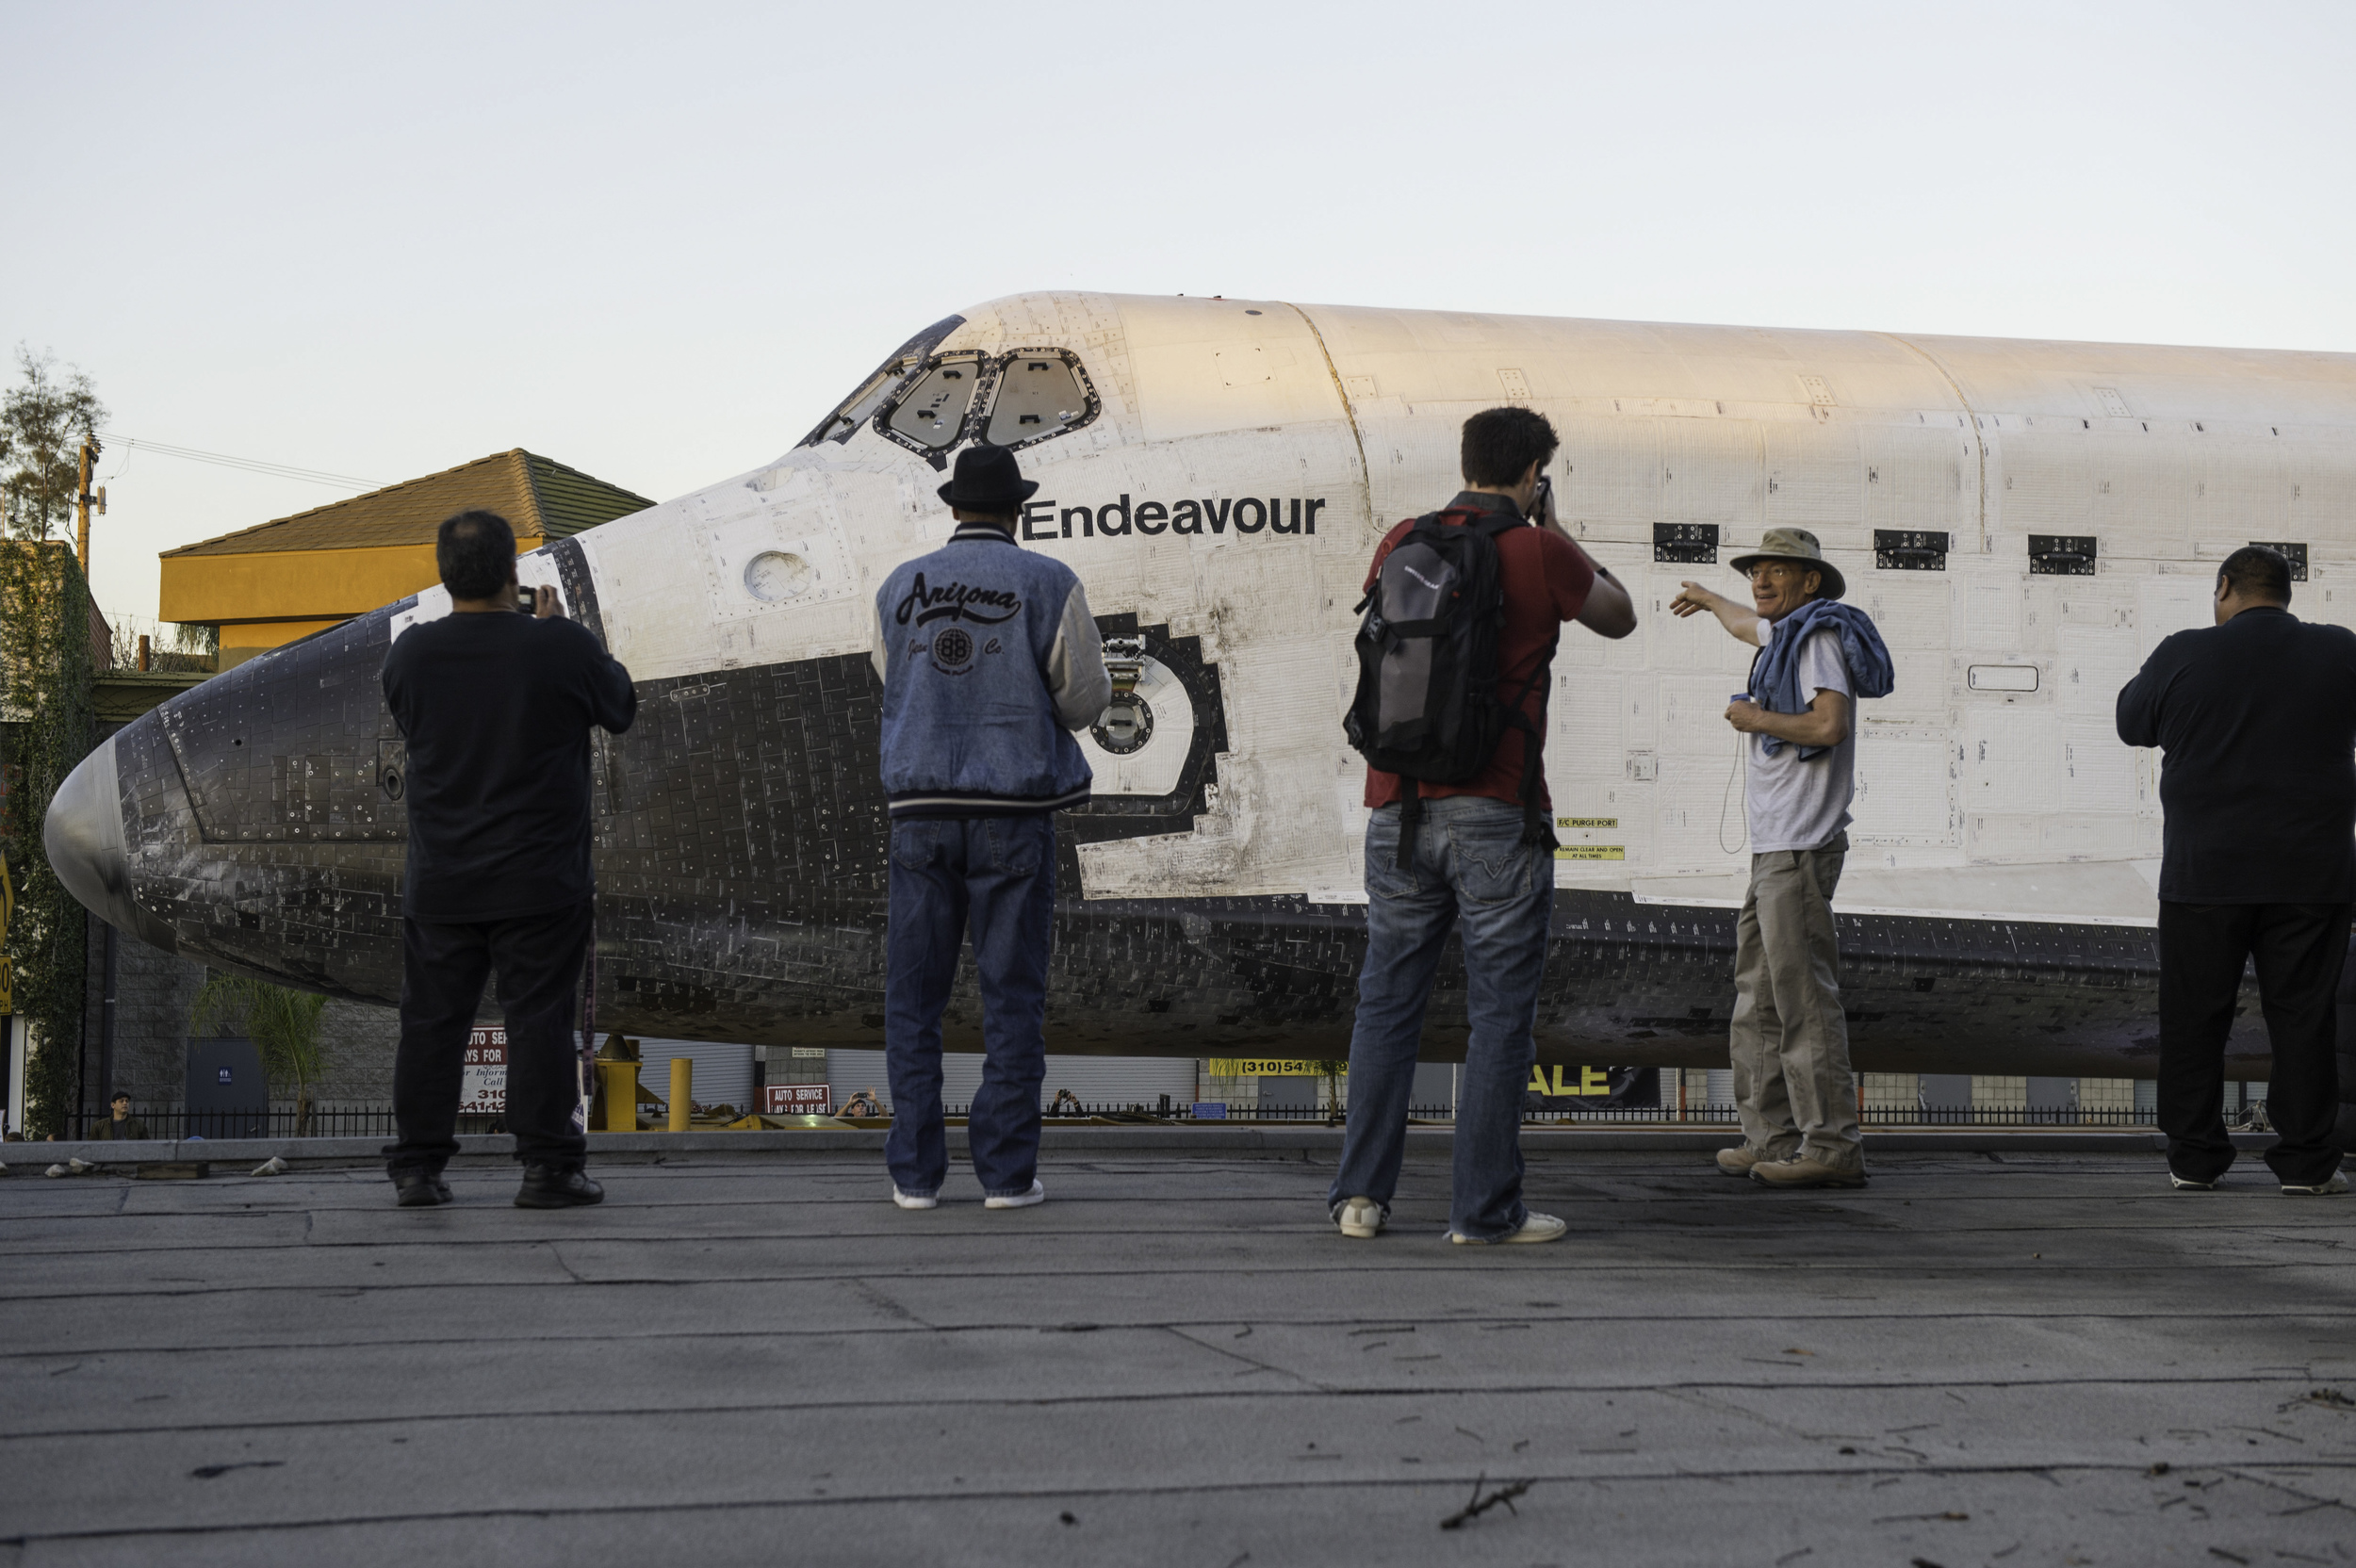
(527, 600)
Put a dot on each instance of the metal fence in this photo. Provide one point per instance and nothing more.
(329, 1121)
(377, 1121)
(1871, 1116)
(2251, 1117)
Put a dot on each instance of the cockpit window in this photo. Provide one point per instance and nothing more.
(857, 409)
(930, 414)
(1039, 394)
(932, 403)
(863, 402)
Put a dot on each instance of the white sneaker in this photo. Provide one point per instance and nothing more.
(915, 1200)
(2332, 1189)
(1020, 1199)
(2186, 1183)
(1535, 1227)
(1361, 1217)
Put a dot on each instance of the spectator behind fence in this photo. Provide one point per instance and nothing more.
(863, 1103)
(122, 1124)
(990, 660)
(1067, 1104)
(1788, 1038)
(1464, 843)
(497, 708)
(2255, 718)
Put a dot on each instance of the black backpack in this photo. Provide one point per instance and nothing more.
(1427, 705)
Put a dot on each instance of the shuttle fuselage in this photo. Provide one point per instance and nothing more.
(2024, 520)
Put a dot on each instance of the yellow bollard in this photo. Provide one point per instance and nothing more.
(621, 1095)
(682, 1075)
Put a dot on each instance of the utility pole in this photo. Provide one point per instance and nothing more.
(83, 500)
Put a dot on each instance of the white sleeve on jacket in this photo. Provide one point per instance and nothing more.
(1075, 666)
(875, 637)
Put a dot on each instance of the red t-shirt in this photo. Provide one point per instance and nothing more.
(1547, 581)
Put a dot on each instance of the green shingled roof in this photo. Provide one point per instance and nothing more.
(539, 496)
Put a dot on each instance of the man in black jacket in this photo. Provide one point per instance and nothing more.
(496, 706)
(2257, 718)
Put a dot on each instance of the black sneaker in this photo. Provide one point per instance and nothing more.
(420, 1189)
(548, 1187)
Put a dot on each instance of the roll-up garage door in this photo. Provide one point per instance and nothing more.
(724, 1073)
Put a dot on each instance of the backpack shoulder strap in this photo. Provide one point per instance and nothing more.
(1376, 586)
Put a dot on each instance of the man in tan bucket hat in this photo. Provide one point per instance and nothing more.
(1790, 1038)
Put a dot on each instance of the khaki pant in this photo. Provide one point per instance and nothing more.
(1789, 1040)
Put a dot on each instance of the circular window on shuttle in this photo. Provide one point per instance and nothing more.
(1127, 724)
(774, 576)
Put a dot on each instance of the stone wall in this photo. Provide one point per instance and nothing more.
(360, 1038)
(154, 992)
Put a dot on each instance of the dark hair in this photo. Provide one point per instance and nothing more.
(475, 551)
(2256, 572)
(1500, 444)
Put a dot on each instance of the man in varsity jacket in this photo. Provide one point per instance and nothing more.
(990, 659)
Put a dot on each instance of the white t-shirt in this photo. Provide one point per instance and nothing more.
(1797, 805)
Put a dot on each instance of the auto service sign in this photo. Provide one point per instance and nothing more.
(482, 1087)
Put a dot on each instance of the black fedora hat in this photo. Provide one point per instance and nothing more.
(988, 479)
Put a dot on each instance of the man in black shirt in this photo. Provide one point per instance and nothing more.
(2257, 718)
(496, 706)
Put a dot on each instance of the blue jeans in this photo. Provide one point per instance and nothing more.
(1472, 873)
(1002, 872)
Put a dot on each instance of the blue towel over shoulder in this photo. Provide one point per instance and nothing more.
(1776, 681)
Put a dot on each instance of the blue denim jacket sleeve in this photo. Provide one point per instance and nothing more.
(1777, 684)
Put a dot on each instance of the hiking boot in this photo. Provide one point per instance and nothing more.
(419, 1189)
(1534, 1228)
(2186, 1183)
(548, 1187)
(1019, 1200)
(2331, 1188)
(1805, 1170)
(1360, 1218)
(1738, 1160)
(915, 1199)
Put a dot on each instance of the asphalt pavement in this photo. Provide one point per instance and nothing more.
(2004, 1356)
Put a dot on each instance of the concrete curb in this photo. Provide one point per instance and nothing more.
(238, 1155)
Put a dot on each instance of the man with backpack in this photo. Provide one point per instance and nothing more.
(1464, 608)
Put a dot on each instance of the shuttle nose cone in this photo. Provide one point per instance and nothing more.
(83, 836)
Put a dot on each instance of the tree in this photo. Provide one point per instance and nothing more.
(43, 425)
(1331, 1071)
(282, 1023)
(45, 673)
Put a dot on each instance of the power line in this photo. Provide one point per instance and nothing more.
(250, 465)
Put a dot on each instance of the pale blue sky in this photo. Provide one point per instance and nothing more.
(657, 242)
